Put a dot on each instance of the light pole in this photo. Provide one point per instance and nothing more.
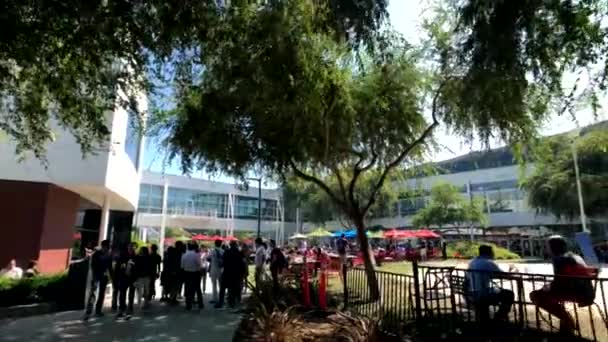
(578, 188)
(259, 180)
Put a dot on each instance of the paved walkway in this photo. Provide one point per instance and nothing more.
(159, 323)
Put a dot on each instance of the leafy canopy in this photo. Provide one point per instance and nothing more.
(68, 63)
(448, 206)
(510, 58)
(552, 186)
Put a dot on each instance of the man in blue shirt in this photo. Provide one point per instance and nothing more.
(479, 276)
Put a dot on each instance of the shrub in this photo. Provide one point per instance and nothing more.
(468, 250)
(42, 288)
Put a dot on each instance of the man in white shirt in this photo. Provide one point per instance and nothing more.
(216, 266)
(260, 260)
(192, 266)
(12, 271)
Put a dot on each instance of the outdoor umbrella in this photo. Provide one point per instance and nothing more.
(319, 233)
(426, 234)
(230, 238)
(395, 234)
(297, 236)
(248, 241)
(216, 237)
(375, 235)
(200, 237)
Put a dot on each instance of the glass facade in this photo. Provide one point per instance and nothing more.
(191, 202)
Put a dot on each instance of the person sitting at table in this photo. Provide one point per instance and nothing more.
(480, 272)
(569, 284)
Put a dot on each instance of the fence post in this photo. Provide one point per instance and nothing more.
(344, 271)
(417, 305)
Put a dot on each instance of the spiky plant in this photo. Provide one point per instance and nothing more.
(360, 329)
(274, 326)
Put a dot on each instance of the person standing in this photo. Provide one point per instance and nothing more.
(145, 272)
(203, 254)
(216, 265)
(100, 264)
(166, 277)
(260, 260)
(178, 282)
(12, 271)
(126, 274)
(191, 266)
(156, 262)
(232, 276)
(277, 264)
(246, 254)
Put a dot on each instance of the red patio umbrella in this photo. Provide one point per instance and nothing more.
(426, 234)
(200, 237)
(248, 241)
(398, 234)
(216, 237)
(230, 238)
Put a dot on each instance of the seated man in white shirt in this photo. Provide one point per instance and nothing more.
(479, 275)
(12, 271)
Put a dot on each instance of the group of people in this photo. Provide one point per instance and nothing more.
(131, 272)
(572, 283)
(12, 271)
(185, 268)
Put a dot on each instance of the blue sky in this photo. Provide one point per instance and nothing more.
(406, 17)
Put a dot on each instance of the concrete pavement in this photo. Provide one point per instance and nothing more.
(160, 322)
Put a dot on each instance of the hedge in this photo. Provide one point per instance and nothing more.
(38, 289)
(469, 250)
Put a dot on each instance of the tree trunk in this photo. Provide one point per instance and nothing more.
(368, 261)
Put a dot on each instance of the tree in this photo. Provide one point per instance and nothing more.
(512, 57)
(552, 188)
(66, 63)
(277, 92)
(317, 207)
(448, 206)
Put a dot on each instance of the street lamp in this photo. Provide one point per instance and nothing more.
(259, 180)
(578, 187)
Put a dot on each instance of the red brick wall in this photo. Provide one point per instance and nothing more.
(57, 233)
(36, 222)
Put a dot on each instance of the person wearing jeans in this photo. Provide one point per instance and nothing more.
(126, 281)
(479, 274)
(192, 266)
(145, 272)
(100, 264)
(216, 266)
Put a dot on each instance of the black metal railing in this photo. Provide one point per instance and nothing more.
(442, 295)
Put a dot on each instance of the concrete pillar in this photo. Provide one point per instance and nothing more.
(105, 219)
(163, 218)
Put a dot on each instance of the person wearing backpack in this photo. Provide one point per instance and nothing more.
(216, 265)
(572, 283)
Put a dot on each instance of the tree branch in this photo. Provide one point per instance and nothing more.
(405, 152)
(316, 181)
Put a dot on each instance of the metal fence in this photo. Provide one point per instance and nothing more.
(441, 295)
